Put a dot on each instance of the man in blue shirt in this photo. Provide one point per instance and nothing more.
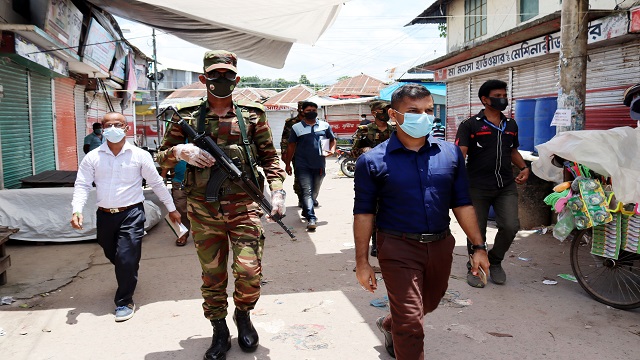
(93, 140)
(310, 142)
(408, 184)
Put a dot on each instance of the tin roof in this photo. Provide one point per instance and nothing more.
(291, 95)
(360, 85)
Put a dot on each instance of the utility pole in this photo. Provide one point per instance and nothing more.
(573, 61)
(155, 86)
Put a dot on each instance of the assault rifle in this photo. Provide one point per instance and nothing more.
(223, 169)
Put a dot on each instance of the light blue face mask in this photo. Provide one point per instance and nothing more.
(416, 125)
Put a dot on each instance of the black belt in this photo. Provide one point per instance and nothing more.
(423, 238)
(117, 210)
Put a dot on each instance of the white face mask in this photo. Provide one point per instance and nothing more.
(114, 134)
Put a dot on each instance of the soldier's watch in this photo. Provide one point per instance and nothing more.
(482, 246)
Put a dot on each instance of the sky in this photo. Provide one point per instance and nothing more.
(367, 37)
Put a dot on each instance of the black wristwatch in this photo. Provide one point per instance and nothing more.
(482, 246)
(525, 167)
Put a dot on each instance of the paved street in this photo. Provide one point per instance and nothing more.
(311, 307)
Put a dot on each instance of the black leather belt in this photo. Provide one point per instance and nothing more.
(117, 210)
(423, 238)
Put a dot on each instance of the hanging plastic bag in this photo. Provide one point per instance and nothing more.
(565, 225)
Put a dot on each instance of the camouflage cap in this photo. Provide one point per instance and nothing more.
(220, 59)
(379, 104)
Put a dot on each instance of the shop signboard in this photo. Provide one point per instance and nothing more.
(100, 47)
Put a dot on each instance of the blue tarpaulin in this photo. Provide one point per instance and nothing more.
(438, 90)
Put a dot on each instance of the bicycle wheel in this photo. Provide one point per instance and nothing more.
(348, 167)
(612, 282)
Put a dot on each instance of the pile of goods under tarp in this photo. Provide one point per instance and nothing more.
(585, 203)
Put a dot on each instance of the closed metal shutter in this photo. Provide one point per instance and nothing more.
(14, 125)
(537, 79)
(42, 123)
(66, 124)
(80, 120)
(610, 71)
(457, 106)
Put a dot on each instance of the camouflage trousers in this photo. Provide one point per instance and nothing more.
(218, 227)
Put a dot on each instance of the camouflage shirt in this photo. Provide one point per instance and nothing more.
(369, 136)
(224, 130)
(286, 131)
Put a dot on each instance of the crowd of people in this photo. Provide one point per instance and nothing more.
(407, 181)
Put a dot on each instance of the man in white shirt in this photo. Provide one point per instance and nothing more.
(117, 168)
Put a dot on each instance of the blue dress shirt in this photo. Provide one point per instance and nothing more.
(410, 191)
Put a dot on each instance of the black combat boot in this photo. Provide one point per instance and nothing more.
(247, 334)
(220, 342)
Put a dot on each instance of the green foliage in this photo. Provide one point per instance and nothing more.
(304, 80)
(443, 30)
(343, 77)
(276, 84)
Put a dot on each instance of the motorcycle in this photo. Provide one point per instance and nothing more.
(346, 160)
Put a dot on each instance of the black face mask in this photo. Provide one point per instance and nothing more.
(312, 115)
(221, 87)
(499, 103)
(382, 116)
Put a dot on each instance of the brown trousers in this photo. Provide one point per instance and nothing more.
(416, 276)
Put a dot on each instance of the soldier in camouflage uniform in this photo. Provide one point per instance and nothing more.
(368, 137)
(232, 223)
(284, 142)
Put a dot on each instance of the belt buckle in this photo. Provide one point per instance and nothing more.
(424, 238)
(114, 211)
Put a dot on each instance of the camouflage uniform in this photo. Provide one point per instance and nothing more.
(235, 218)
(284, 142)
(369, 136)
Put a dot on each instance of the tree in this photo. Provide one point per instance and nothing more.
(345, 77)
(304, 80)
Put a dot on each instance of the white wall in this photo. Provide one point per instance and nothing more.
(503, 16)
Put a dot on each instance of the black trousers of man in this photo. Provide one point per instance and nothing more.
(120, 236)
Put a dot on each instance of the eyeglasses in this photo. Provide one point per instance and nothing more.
(116, 125)
(215, 75)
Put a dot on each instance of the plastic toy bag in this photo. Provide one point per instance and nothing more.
(565, 225)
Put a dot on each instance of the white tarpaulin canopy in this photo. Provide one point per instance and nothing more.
(612, 152)
(256, 30)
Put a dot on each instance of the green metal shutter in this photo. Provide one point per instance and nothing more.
(14, 125)
(42, 123)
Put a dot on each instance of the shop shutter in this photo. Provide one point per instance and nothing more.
(457, 106)
(42, 123)
(14, 125)
(81, 119)
(610, 71)
(537, 79)
(65, 124)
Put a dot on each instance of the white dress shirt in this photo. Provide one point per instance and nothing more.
(118, 178)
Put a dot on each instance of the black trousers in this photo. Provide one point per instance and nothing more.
(120, 236)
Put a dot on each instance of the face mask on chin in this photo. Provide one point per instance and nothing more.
(114, 134)
(221, 87)
(416, 125)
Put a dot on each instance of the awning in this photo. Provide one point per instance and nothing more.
(438, 91)
(258, 31)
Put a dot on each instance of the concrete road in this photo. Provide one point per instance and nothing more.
(311, 306)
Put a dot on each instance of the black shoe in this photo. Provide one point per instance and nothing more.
(388, 339)
(374, 251)
(311, 225)
(247, 334)
(315, 203)
(497, 274)
(220, 341)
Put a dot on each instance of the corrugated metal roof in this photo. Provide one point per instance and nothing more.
(361, 85)
(291, 95)
(434, 14)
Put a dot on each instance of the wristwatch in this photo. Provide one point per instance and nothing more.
(525, 167)
(482, 246)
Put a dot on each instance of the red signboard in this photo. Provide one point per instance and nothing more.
(634, 25)
(342, 128)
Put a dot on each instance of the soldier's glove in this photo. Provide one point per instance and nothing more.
(277, 202)
(193, 155)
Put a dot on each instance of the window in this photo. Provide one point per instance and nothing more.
(528, 9)
(475, 20)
